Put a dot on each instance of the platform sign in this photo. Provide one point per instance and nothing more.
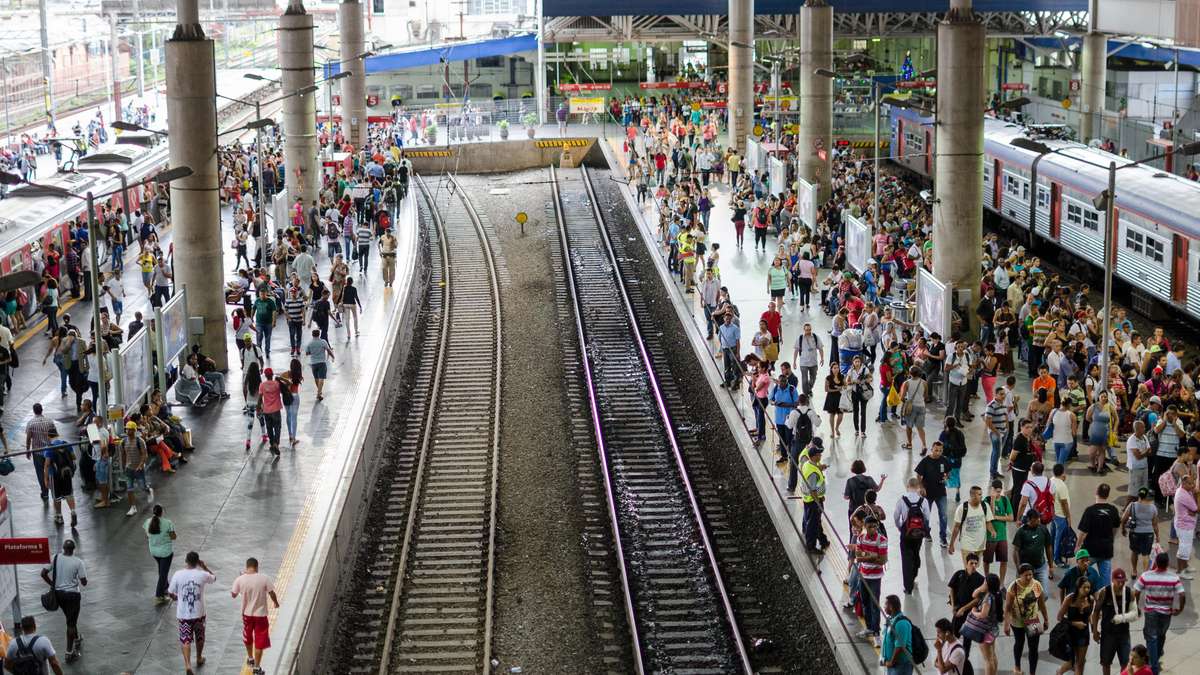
(806, 203)
(858, 242)
(24, 551)
(777, 174)
(136, 371)
(933, 303)
(578, 105)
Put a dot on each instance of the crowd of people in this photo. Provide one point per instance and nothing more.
(274, 280)
(1040, 437)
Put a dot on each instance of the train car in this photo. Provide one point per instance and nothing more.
(912, 135)
(1156, 231)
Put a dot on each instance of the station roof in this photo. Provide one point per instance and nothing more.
(1124, 49)
(444, 52)
(765, 7)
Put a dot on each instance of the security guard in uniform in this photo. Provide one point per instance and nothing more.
(812, 474)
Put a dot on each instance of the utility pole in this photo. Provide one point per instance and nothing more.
(141, 52)
(47, 58)
(114, 54)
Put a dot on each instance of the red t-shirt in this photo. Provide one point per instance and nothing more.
(272, 400)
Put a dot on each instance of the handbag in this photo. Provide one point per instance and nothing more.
(50, 597)
(1049, 430)
(1060, 641)
(6, 466)
(844, 403)
(976, 629)
(893, 397)
(771, 351)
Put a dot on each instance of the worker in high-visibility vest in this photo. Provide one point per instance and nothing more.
(812, 476)
(687, 256)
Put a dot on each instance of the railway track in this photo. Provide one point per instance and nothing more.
(679, 611)
(430, 608)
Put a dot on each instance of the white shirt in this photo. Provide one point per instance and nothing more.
(188, 586)
(1062, 426)
(1142, 444)
(1054, 362)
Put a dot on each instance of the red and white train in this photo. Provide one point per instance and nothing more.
(1156, 232)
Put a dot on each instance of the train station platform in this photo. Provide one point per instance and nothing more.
(744, 272)
(227, 503)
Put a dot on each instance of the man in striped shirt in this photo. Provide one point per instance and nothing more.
(1038, 330)
(1160, 586)
(870, 555)
(293, 310)
(362, 238)
(38, 432)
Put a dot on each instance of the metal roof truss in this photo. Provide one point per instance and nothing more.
(712, 27)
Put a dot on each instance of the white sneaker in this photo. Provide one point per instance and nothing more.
(1187, 574)
(875, 641)
(151, 494)
(132, 511)
(864, 633)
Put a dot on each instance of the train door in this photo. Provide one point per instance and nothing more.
(997, 184)
(1055, 209)
(899, 140)
(928, 153)
(1179, 269)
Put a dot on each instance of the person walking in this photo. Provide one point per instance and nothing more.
(1160, 588)
(870, 553)
(933, 470)
(808, 356)
(187, 590)
(1098, 528)
(293, 311)
(812, 473)
(897, 650)
(60, 475)
(1031, 546)
(255, 588)
(66, 576)
(134, 454)
(160, 533)
(38, 433)
(387, 253)
(30, 652)
(1025, 615)
(911, 517)
(785, 397)
(362, 238)
(729, 335)
(351, 305)
(265, 310)
(320, 354)
(1115, 608)
(270, 404)
(291, 381)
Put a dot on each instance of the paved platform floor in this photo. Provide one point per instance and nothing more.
(744, 272)
(226, 503)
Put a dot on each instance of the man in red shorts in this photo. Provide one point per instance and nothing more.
(187, 590)
(255, 588)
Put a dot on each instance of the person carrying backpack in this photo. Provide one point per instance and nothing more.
(951, 656)
(903, 644)
(800, 421)
(60, 475)
(30, 653)
(911, 518)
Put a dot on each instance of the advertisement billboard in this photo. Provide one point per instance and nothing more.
(806, 203)
(173, 325)
(777, 175)
(591, 105)
(137, 372)
(933, 303)
(858, 243)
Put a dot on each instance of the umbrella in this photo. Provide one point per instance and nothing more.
(16, 280)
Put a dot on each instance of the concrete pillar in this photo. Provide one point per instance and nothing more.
(958, 153)
(539, 76)
(114, 59)
(741, 72)
(816, 97)
(354, 88)
(195, 205)
(299, 112)
(1095, 58)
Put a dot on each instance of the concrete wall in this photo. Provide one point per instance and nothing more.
(503, 156)
(328, 551)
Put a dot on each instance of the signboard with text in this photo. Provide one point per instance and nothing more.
(1014, 86)
(8, 578)
(858, 243)
(24, 551)
(806, 203)
(933, 303)
(672, 85)
(585, 86)
(593, 105)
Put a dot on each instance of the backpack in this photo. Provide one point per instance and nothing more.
(1043, 502)
(916, 525)
(25, 662)
(803, 432)
(1167, 484)
(920, 648)
(285, 394)
(63, 464)
(962, 514)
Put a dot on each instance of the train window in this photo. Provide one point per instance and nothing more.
(1134, 241)
(1043, 199)
(1155, 250)
(1025, 190)
(1075, 214)
(16, 262)
(1012, 185)
(1091, 220)
(987, 173)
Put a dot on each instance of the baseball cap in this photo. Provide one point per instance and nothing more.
(1118, 574)
(1082, 553)
(1155, 399)
(268, 372)
(131, 425)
